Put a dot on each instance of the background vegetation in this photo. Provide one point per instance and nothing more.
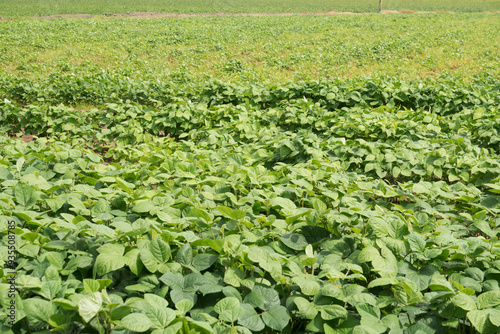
(273, 49)
(51, 7)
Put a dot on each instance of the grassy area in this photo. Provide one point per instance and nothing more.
(274, 49)
(50, 7)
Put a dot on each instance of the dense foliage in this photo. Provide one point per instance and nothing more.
(359, 206)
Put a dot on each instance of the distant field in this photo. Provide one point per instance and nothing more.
(254, 48)
(50, 7)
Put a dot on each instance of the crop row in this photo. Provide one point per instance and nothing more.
(401, 143)
(442, 96)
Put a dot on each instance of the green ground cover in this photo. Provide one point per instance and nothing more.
(273, 49)
(50, 7)
(229, 175)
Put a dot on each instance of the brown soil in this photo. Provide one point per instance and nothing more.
(177, 15)
(140, 15)
(27, 138)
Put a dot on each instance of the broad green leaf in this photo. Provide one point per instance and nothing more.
(330, 312)
(386, 264)
(439, 283)
(393, 323)
(132, 260)
(200, 213)
(106, 263)
(125, 186)
(229, 309)
(294, 241)
(90, 285)
(269, 294)
(306, 309)
(65, 303)
(367, 330)
(25, 195)
(494, 316)
(195, 280)
(184, 305)
(148, 259)
(29, 250)
(422, 278)
(319, 205)
(137, 322)
(308, 285)
(210, 288)
(120, 312)
(314, 234)
(298, 213)
(361, 298)
(251, 319)
(89, 306)
(491, 202)
(173, 280)
(160, 317)
(285, 203)
(475, 273)
(229, 291)
(417, 243)
(255, 299)
(234, 277)
(117, 249)
(160, 250)
(142, 207)
(216, 245)
(38, 309)
(309, 251)
(50, 289)
(368, 311)
(56, 259)
(185, 255)
(233, 214)
(204, 261)
(274, 268)
(178, 295)
(101, 207)
(464, 301)
(172, 329)
(368, 254)
(155, 300)
(277, 318)
(488, 299)
(479, 319)
(19, 163)
(383, 281)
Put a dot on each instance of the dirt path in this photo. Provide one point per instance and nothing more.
(176, 15)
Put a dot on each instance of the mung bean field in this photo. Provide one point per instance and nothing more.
(197, 169)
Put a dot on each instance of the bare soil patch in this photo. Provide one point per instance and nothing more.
(177, 15)
(69, 16)
(139, 15)
(27, 138)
